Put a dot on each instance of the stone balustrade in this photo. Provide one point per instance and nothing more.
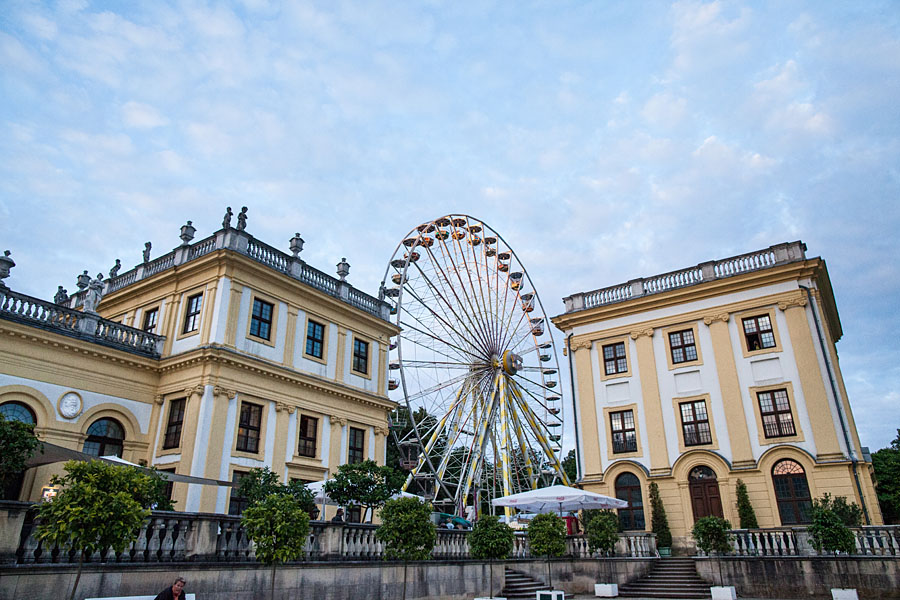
(707, 271)
(871, 540)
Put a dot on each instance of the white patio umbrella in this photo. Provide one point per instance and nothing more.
(558, 498)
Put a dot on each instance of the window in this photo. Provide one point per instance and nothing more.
(192, 314)
(237, 503)
(249, 427)
(791, 492)
(628, 488)
(614, 360)
(682, 346)
(170, 485)
(150, 318)
(261, 319)
(695, 423)
(356, 446)
(758, 332)
(308, 428)
(623, 434)
(173, 425)
(775, 410)
(105, 437)
(360, 356)
(16, 411)
(315, 338)
(354, 514)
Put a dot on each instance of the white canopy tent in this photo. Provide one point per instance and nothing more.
(558, 498)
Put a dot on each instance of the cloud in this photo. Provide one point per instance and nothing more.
(665, 110)
(142, 116)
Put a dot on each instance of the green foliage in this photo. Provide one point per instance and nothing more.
(17, 444)
(364, 483)
(659, 523)
(887, 475)
(406, 529)
(828, 530)
(570, 466)
(602, 531)
(99, 506)
(490, 538)
(258, 484)
(278, 525)
(850, 514)
(711, 535)
(746, 514)
(547, 535)
(157, 499)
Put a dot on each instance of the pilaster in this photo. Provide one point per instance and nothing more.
(216, 452)
(283, 414)
(335, 442)
(587, 402)
(290, 335)
(341, 350)
(380, 436)
(656, 429)
(193, 397)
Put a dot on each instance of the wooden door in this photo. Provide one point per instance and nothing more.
(706, 501)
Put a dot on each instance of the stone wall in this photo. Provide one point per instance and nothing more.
(804, 577)
(579, 576)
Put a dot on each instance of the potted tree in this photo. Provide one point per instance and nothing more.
(407, 532)
(365, 484)
(659, 523)
(490, 539)
(829, 532)
(547, 537)
(278, 525)
(712, 537)
(602, 532)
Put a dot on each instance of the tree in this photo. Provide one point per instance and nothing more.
(406, 531)
(17, 444)
(547, 537)
(887, 476)
(491, 539)
(746, 514)
(259, 484)
(850, 514)
(570, 466)
(828, 531)
(711, 534)
(278, 525)
(364, 483)
(602, 531)
(659, 522)
(100, 506)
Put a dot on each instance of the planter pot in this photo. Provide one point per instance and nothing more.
(723, 592)
(665, 551)
(490, 598)
(606, 590)
(844, 594)
(551, 595)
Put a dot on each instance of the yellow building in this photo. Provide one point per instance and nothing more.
(708, 375)
(222, 355)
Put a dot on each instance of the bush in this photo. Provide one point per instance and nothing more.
(364, 483)
(17, 444)
(490, 538)
(602, 531)
(711, 535)
(828, 530)
(547, 535)
(278, 525)
(850, 514)
(746, 514)
(259, 484)
(406, 529)
(659, 523)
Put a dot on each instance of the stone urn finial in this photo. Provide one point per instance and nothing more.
(296, 245)
(6, 263)
(343, 269)
(187, 233)
(83, 280)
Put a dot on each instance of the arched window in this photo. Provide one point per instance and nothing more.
(791, 492)
(628, 488)
(105, 438)
(16, 411)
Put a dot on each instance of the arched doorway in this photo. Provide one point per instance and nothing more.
(15, 411)
(704, 488)
(791, 492)
(105, 437)
(628, 488)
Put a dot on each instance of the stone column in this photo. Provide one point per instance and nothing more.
(812, 373)
(201, 540)
(730, 388)
(587, 403)
(656, 429)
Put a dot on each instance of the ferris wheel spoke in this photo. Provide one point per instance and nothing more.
(443, 342)
(483, 304)
(446, 326)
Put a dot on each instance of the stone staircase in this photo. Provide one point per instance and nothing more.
(669, 578)
(519, 586)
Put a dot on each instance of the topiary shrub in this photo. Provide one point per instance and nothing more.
(659, 523)
(547, 537)
(711, 535)
(746, 514)
(491, 539)
(828, 531)
(278, 525)
(406, 531)
(602, 531)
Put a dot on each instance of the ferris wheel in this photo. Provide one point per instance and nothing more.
(474, 368)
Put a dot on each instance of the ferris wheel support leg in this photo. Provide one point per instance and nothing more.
(475, 463)
(504, 437)
(542, 440)
(529, 468)
(428, 447)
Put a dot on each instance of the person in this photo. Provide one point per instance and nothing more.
(176, 592)
(338, 516)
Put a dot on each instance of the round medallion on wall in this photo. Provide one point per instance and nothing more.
(70, 405)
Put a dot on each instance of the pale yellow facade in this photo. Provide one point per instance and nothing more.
(726, 406)
(235, 318)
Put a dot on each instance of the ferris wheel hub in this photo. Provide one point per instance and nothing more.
(512, 362)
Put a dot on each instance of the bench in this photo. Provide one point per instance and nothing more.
(151, 597)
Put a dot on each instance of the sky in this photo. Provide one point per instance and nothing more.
(603, 140)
